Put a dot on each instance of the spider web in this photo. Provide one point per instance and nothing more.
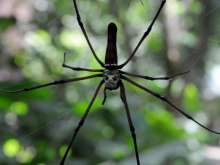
(105, 137)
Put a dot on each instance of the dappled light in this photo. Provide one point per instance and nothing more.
(36, 126)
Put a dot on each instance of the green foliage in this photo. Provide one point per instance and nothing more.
(162, 123)
(154, 40)
(191, 98)
(19, 108)
(4, 103)
(63, 150)
(5, 23)
(195, 7)
(36, 126)
(73, 39)
(11, 147)
(39, 39)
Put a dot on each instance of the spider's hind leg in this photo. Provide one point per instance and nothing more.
(81, 123)
(123, 97)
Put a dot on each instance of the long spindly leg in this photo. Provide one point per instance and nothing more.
(121, 94)
(123, 97)
(153, 78)
(77, 68)
(105, 97)
(53, 83)
(166, 100)
(81, 123)
(144, 36)
(84, 32)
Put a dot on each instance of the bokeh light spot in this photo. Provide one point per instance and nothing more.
(11, 147)
(10, 118)
(19, 108)
(63, 150)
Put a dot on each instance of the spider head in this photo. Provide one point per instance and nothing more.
(111, 78)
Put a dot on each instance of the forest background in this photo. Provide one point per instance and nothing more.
(36, 126)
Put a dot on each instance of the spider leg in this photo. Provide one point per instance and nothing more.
(84, 32)
(121, 95)
(53, 83)
(144, 36)
(153, 78)
(105, 96)
(122, 89)
(81, 122)
(77, 68)
(166, 100)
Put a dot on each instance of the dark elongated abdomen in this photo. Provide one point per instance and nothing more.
(111, 58)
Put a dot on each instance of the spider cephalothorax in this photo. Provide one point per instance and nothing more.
(111, 78)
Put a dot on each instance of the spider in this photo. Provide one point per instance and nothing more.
(112, 78)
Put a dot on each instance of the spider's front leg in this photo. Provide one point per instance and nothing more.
(53, 83)
(84, 32)
(144, 36)
(77, 68)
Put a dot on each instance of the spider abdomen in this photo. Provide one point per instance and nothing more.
(111, 58)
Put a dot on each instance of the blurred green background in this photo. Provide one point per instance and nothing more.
(36, 126)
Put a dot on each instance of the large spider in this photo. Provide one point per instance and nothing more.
(112, 77)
